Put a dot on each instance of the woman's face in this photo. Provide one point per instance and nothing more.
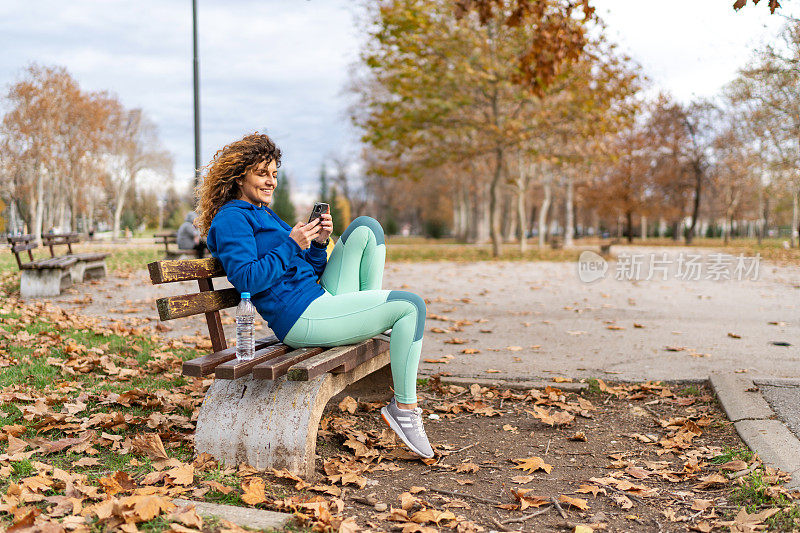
(259, 183)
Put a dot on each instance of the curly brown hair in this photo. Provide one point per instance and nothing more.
(219, 184)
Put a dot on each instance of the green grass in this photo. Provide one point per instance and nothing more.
(594, 386)
(729, 454)
(428, 251)
(22, 469)
(691, 390)
(754, 495)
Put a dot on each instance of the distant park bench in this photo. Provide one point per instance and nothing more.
(48, 277)
(89, 265)
(605, 247)
(265, 411)
(171, 237)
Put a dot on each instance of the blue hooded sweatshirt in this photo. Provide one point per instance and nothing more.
(259, 257)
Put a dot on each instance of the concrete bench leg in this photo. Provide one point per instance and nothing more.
(76, 272)
(94, 270)
(46, 282)
(272, 424)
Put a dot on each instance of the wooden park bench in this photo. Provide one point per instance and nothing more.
(171, 237)
(40, 277)
(605, 247)
(88, 265)
(265, 411)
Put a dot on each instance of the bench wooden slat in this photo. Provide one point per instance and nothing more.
(63, 238)
(20, 238)
(16, 248)
(183, 270)
(202, 366)
(90, 256)
(275, 368)
(336, 358)
(52, 262)
(235, 369)
(193, 304)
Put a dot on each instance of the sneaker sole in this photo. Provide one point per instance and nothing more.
(393, 425)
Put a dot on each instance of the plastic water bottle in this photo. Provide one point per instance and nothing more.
(245, 332)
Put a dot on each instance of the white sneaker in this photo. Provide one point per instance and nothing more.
(407, 423)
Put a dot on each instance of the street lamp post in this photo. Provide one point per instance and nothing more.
(196, 96)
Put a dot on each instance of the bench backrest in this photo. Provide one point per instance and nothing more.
(166, 238)
(59, 239)
(22, 243)
(207, 301)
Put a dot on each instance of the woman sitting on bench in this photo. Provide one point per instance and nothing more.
(280, 265)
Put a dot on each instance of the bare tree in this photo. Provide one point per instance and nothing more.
(134, 148)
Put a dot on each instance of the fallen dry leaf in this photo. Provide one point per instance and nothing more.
(150, 445)
(532, 464)
(575, 502)
(348, 404)
(253, 491)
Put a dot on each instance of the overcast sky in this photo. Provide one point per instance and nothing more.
(281, 66)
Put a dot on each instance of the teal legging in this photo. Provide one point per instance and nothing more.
(354, 308)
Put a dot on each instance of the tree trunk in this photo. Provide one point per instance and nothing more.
(725, 230)
(760, 219)
(629, 221)
(483, 222)
(795, 215)
(698, 188)
(544, 209)
(38, 219)
(463, 212)
(569, 224)
(523, 222)
(117, 216)
(644, 228)
(494, 213)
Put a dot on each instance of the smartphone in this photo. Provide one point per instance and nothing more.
(319, 209)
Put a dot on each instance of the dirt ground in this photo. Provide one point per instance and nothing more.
(644, 450)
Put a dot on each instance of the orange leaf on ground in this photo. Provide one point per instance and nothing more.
(532, 464)
(432, 515)
(349, 404)
(187, 516)
(182, 475)
(150, 445)
(575, 502)
(590, 489)
(528, 500)
(253, 491)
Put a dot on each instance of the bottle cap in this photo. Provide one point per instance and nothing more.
(245, 295)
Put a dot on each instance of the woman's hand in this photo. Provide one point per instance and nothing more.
(326, 228)
(303, 233)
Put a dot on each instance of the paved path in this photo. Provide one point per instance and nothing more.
(532, 320)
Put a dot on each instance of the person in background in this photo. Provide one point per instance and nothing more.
(188, 238)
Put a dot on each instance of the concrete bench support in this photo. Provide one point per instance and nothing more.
(44, 282)
(274, 423)
(94, 270)
(86, 270)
